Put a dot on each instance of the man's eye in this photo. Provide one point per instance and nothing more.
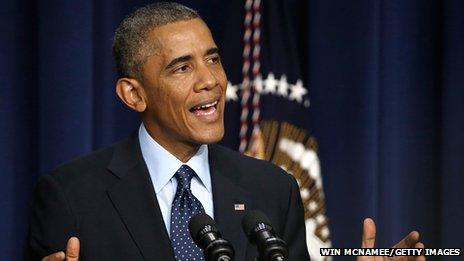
(183, 68)
(214, 60)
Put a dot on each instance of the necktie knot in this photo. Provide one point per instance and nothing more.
(184, 176)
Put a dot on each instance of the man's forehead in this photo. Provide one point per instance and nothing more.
(180, 36)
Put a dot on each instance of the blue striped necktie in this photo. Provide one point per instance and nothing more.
(184, 206)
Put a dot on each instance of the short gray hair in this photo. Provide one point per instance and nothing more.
(130, 44)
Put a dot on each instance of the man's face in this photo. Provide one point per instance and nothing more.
(185, 85)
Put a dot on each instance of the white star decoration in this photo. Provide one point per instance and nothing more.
(231, 92)
(297, 91)
(283, 86)
(272, 86)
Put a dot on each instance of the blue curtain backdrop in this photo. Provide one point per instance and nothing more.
(386, 84)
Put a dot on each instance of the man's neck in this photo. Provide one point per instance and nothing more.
(181, 150)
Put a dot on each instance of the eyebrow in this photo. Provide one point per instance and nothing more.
(177, 60)
(185, 58)
(211, 51)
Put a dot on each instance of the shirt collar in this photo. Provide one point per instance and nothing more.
(162, 165)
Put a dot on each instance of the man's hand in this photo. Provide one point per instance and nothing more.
(368, 241)
(72, 252)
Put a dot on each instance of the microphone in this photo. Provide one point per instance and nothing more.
(260, 233)
(206, 235)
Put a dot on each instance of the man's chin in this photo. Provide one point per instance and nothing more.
(210, 136)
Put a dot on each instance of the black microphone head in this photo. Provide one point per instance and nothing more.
(260, 233)
(251, 221)
(201, 223)
(206, 235)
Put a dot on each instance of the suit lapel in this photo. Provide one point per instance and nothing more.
(134, 198)
(226, 194)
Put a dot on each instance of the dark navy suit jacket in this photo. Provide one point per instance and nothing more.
(107, 200)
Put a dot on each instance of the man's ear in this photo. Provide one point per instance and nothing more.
(131, 92)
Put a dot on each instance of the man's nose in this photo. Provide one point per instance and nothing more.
(206, 78)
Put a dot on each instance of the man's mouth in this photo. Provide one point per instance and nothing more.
(206, 111)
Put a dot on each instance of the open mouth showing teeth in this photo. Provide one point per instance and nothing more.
(205, 110)
(205, 106)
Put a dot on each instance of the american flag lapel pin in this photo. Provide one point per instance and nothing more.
(239, 207)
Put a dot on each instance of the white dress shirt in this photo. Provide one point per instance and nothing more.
(162, 166)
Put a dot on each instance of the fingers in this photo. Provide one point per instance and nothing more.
(58, 256)
(408, 241)
(72, 252)
(419, 245)
(411, 241)
(368, 235)
(72, 249)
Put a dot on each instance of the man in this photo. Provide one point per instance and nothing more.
(132, 201)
